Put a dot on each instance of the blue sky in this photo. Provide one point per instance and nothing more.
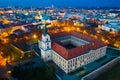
(61, 3)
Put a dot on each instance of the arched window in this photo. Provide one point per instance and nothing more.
(47, 47)
(47, 39)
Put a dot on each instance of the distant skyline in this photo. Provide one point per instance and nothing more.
(60, 3)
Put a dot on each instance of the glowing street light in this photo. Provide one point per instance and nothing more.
(68, 29)
(2, 61)
(34, 36)
(9, 71)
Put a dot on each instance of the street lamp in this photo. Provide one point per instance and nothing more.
(34, 36)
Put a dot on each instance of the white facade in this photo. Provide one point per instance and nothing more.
(74, 63)
(45, 46)
(68, 65)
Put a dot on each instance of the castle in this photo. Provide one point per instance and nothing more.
(70, 50)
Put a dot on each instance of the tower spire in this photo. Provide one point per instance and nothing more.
(45, 44)
(45, 29)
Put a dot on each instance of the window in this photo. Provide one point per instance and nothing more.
(47, 39)
(47, 46)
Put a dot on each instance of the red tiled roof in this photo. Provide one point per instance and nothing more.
(56, 35)
(79, 35)
(74, 52)
(60, 49)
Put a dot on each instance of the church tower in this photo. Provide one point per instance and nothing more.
(45, 45)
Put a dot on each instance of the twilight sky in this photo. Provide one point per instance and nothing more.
(61, 3)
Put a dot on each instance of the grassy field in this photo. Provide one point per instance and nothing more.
(112, 74)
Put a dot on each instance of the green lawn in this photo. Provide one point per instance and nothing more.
(101, 59)
(76, 71)
(113, 51)
(112, 74)
(80, 76)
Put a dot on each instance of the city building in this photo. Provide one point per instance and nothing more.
(111, 26)
(70, 50)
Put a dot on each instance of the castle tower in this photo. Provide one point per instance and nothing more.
(45, 45)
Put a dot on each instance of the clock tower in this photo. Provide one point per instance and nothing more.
(45, 45)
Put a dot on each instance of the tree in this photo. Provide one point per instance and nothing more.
(16, 72)
(44, 72)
